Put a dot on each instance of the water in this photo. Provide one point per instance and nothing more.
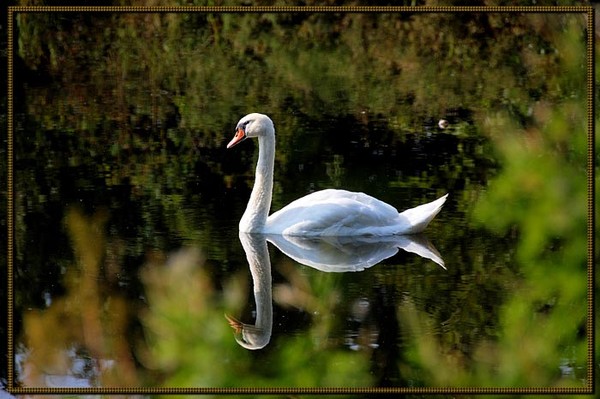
(127, 253)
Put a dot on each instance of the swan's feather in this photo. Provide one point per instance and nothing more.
(344, 213)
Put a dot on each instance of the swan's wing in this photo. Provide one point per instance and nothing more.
(332, 213)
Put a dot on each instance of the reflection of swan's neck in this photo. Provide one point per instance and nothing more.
(257, 211)
(260, 267)
(257, 336)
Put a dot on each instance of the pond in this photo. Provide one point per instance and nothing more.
(129, 267)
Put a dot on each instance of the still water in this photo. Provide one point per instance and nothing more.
(129, 267)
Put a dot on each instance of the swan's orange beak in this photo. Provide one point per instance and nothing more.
(240, 135)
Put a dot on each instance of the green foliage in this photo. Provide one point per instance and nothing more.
(539, 195)
(542, 193)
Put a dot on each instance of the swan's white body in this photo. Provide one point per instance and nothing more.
(323, 213)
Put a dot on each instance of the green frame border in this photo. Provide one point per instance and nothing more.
(587, 10)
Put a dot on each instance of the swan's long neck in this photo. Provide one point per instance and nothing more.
(257, 211)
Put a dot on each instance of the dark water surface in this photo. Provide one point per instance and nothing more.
(128, 267)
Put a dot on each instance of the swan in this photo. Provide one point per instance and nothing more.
(329, 212)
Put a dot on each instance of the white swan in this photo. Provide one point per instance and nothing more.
(323, 213)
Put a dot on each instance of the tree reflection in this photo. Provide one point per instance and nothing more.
(80, 339)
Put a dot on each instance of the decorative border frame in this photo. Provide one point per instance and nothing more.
(590, 53)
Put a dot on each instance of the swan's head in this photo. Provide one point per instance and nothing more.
(252, 125)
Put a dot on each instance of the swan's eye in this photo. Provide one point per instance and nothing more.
(243, 125)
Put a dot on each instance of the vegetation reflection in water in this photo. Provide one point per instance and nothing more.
(142, 134)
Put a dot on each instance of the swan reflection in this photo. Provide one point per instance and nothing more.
(327, 254)
(257, 335)
(351, 254)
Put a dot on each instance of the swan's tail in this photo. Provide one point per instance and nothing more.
(420, 216)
